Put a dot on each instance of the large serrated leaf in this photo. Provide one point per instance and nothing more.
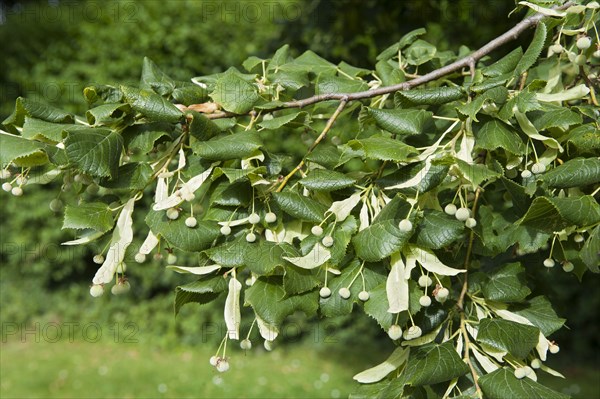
(299, 206)
(383, 149)
(430, 96)
(502, 384)
(234, 93)
(233, 146)
(326, 180)
(576, 172)
(401, 121)
(26, 107)
(533, 51)
(267, 298)
(295, 119)
(505, 65)
(95, 151)
(379, 240)
(496, 134)
(438, 230)
(515, 338)
(432, 364)
(202, 291)
(590, 253)
(16, 147)
(507, 284)
(539, 312)
(153, 106)
(154, 78)
(131, 176)
(554, 214)
(179, 235)
(96, 216)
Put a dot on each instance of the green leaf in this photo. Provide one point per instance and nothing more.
(555, 116)
(106, 114)
(335, 305)
(190, 93)
(590, 253)
(432, 364)
(476, 173)
(229, 254)
(234, 93)
(576, 172)
(428, 181)
(506, 64)
(507, 284)
(432, 96)
(502, 384)
(520, 200)
(380, 240)
(153, 78)
(437, 230)
(143, 137)
(153, 106)
(267, 298)
(420, 52)
(15, 148)
(554, 214)
(95, 151)
(310, 62)
(37, 129)
(202, 291)
(377, 307)
(336, 84)
(384, 149)
(401, 121)
(38, 110)
(95, 215)
(300, 207)
(389, 73)
(326, 180)
(505, 335)
(131, 176)
(297, 280)
(533, 51)
(181, 236)
(233, 146)
(201, 128)
(264, 256)
(406, 40)
(496, 134)
(295, 119)
(540, 313)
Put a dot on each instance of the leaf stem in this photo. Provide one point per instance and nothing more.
(314, 145)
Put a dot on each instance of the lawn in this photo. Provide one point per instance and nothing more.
(110, 370)
(105, 370)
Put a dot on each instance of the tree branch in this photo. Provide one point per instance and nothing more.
(467, 62)
(314, 145)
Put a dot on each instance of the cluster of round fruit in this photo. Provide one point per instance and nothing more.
(463, 214)
(20, 180)
(220, 363)
(395, 332)
(344, 293)
(327, 241)
(253, 219)
(583, 43)
(121, 287)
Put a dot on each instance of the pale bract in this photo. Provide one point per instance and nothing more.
(121, 238)
(232, 309)
(197, 270)
(396, 286)
(315, 258)
(379, 372)
(431, 262)
(185, 191)
(342, 209)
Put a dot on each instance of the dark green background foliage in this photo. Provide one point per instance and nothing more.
(54, 58)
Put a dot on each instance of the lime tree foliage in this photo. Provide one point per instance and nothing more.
(432, 186)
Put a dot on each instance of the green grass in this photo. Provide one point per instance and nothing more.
(108, 370)
(111, 370)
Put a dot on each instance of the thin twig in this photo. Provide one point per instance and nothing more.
(467, 62)
(463, 292)
(466, 357)
(314, 145)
